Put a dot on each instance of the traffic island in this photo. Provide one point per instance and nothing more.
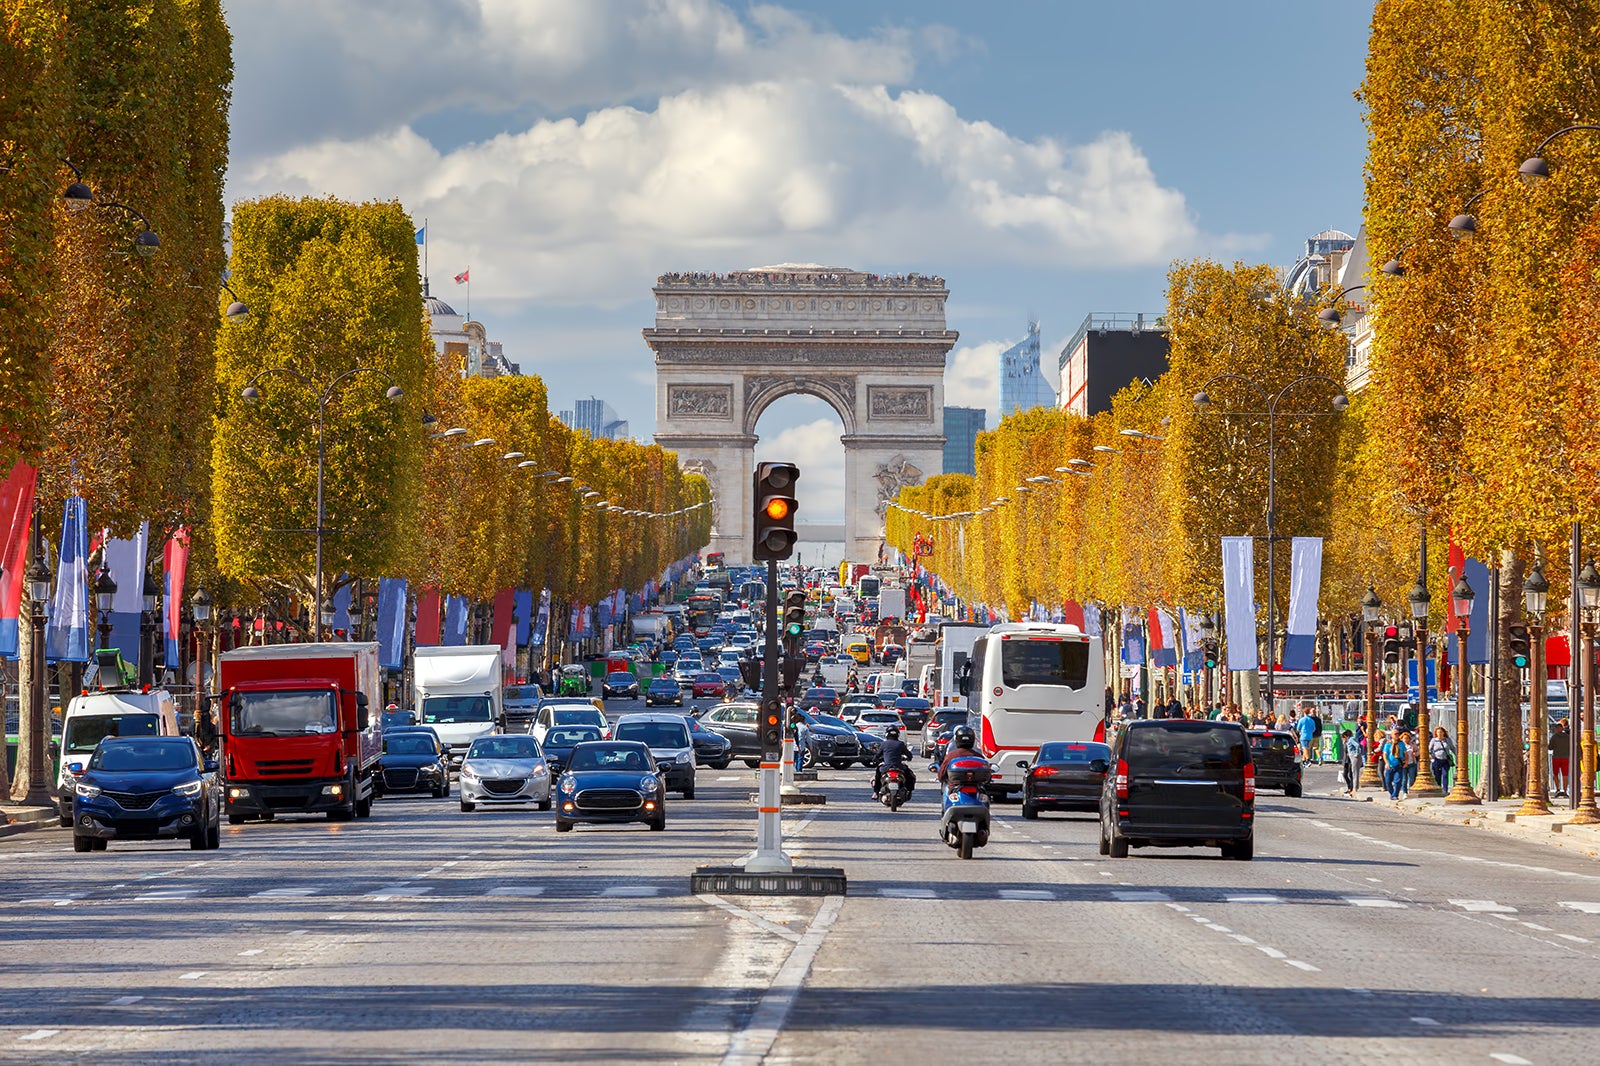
(795, 798)
(801, 881)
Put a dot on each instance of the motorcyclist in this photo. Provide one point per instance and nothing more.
(896, 756)
(962, 746)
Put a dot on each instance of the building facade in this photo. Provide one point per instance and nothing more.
(961, 428)
(1022, 382)
(455, 335)
(597, 418)
(1108, 353)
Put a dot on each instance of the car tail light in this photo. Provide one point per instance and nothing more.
(1249, 782)
(1122, 779)
(1044, 771)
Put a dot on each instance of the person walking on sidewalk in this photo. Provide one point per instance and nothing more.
(1350, 765)
(1413, 760)
(1560, 757)
(1394, 764)
(1306, 727)
(1441, 755)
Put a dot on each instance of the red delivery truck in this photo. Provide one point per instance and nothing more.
(301, 730)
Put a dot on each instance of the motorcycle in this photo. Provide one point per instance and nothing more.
(964, 817)
(895, 788)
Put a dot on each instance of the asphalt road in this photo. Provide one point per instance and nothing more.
(1355, 936)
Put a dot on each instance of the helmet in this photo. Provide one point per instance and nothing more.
(892, 732)
(963, 737)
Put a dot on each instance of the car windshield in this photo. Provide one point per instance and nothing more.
(146, 757)
(655, 734)
(83, 733)
(1168, 748)
(571, 735)
(575, 716)
(451, 710)
(880, 718)
(621, 676)
(1044, 662)
(609, 757)
(664, 684)
(522, 692)
(1073, 752)
(412, 745)
(1271, 742)
(277, 714)
(504, 746)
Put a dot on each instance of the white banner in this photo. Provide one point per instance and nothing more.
(1239, 602)
(1305, 585)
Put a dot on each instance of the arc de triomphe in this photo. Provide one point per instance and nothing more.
(872, 347)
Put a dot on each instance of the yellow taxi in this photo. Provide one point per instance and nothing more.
(860, 651)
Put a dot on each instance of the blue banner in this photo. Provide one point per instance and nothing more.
(341, 609)
(126, 559)
(455, 622)
(524, 602)
(391, 622)
(1477, 576)
(541, 625)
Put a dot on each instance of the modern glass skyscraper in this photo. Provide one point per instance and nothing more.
(1022, 383)
(597, 418)
(961, 428)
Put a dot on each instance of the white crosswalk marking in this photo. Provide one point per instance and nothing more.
(168, 893)
(517, 890)
(907, 893)
(1140, 895)
(1253, 899)
(284, 893)
(1581, 905)
(399, 892)
(1483, 906)
(1366, 901)
(1026, 893)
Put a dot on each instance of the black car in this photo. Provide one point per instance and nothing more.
(619, 683)
(663, 690)
(146, 788)
(413, 761)
(710, 747)
(835, 745)
(560, 740)
(1066, 775)
(1277, 758)
(825, 700)
(941, 721)
(738, 722)
(1179, 782)
(611, 781)
(914, 711)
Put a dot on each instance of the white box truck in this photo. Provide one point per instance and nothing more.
(955, 644)
(892, 602)
(459, 694)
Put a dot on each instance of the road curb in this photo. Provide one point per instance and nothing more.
(1552, 830)
(27, 819)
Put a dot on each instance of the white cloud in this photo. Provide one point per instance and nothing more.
(816, 449)
(588, 212)
(972, 378)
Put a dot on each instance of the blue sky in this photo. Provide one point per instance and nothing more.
(1047, 158)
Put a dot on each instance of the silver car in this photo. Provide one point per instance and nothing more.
(505, 768)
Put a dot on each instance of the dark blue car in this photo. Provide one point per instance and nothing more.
(414, 761)
(146, 788)
(611, 781)
(561, 739)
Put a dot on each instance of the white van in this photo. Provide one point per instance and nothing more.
(109, 713)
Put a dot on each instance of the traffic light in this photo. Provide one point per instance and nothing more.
(1391, 644)
(792, 665)
(775, 507)
(1519, 647)
(1212, 653)
(750, 672)
(771, 727)
(794, 621)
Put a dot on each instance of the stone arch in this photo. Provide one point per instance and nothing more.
(761, 391)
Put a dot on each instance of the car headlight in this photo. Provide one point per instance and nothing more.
(647, 784)
(567, 784)
(87, 791)
(191, 788)
(467, 771)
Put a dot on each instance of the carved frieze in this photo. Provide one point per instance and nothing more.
(700, 401)
(900, 403)
(893, 476)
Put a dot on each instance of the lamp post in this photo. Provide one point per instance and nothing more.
(1371, 613)
(38, 794)
(250, 394)
(1589, 596)
(1339, 403)
(1461, 791)
(1535, 589)
(200, 604)
(147, 630)
(105, 593)
(1424, 785)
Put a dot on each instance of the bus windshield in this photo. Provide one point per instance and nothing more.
(1044, 662)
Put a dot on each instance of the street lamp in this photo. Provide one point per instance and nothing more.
(1331, 317)
(1419, 599)
(147, 629)
(1461, 791)
(1202, 400)
(38, 794)
(1371, 614)
(200, 605)
(1587, 812)
(1534, 170)
(105, 593)
(237, 311)
(1535, 591)
(393, 394)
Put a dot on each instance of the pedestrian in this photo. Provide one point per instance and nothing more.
(1350, 766)
(1307, 729)
(1394, 759)
(1379, 745)
(1441, 754)
(1138, 706)
(1560, 757)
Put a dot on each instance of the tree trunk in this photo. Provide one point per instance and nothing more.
(1508, 736)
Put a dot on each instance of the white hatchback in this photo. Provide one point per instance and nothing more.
(877, 722)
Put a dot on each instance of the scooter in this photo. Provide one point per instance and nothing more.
(895, 788)
(964, 821)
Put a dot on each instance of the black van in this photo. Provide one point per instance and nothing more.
(1179, 783)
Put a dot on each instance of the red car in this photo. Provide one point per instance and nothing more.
(709, 685)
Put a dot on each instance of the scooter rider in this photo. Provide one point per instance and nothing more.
(896, 756)
(962, 741)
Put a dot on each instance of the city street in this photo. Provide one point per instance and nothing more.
(1354, 936)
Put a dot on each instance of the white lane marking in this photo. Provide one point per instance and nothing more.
(168, 893)
(907, 893)
(396, 892)
(1141, 895)
(123, 1001)
(1483, 906)
(1105, 873)
(452, 862)
(58, 901)
(1321, 825)
(631, 891)
(284, 893)
(517, 890)
(1252, 899)
(1026, 893)
(1503, 917)
(1306, 966)
(1358, 991)
(1271, 953)
(1241, 938)
(1574, 939)
(754, 919)
(1180, 908)
(1365, 901)
(1536, 927)
(750, 1046)
(252, 951)
(1424, 1021)
(1510, 1059)
(39, 1034)
(1215, 928)
(192, 975)
(1375, 880)
(1581, 905)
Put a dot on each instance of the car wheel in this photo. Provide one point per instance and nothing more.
(197, 839)
(1244, 850)
(1029, 811)
(688, 793)
(659, 824)
(544, 805)
(468, 808)
(236, 819)
(723, 765)
(1118, 845)
(563, 826)
(214, 835)
(752, 763)
(1292, 791)
(82, 843)
(1105, 847)
(364, 808)
(839, 764)
(342, 814)
(96, 844)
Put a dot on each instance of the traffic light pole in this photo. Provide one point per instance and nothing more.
(769, 856)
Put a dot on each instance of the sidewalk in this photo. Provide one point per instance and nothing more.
(1497, 817)
(20, 819)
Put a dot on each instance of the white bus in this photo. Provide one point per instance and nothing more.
(1033, 683)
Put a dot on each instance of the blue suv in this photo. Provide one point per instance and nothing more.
(146, 788)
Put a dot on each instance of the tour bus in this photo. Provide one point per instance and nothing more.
(1033, 683)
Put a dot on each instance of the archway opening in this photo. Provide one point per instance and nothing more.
(806, 431)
